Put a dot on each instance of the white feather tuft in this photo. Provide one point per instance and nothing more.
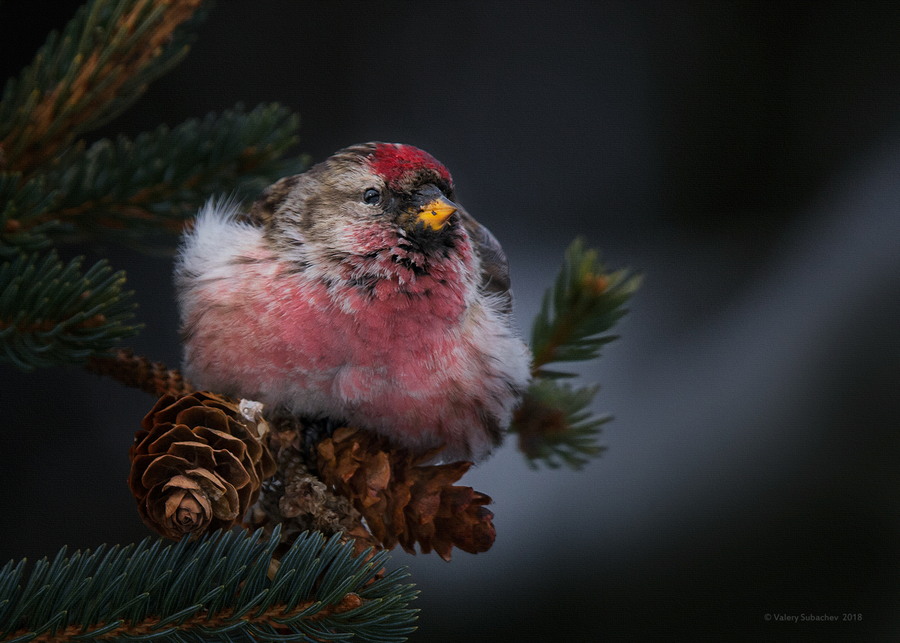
(208, 250)
(216, 237)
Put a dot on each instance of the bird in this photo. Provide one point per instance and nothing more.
(362, 292)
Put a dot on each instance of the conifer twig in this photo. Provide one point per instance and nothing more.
(140, 372)
(553, 422)
(152, 183)
(53, 313)
(21, 203)
(584, 302)
(100, 64)
(224, 587)
(555, 425)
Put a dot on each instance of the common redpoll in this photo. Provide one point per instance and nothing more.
(358, 291)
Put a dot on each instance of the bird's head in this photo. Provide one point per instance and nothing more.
(364, 200)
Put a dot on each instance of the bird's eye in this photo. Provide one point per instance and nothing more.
(371, 196)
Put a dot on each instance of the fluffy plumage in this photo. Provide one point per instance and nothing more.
(360, 292)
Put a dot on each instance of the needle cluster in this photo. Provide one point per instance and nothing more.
(57, 185)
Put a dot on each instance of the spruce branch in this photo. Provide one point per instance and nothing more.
(224, 587)
(554, 423)
(51, 182)
(80, 79)
(151, 183)
(140, 372)
(54, 313)
(584, 302)
(160, 179)
(21, 206)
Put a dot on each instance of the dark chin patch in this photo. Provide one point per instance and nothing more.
(434, 244)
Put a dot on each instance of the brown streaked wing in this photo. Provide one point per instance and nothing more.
(265, 206)
(494, 266)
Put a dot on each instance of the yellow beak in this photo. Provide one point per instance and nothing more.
(435, 214)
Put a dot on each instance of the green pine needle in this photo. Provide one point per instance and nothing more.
(219, 588)
(21, 205)
(53, 313)
(554, 421)
(151, 184)
(83, 77)
(160, 179)
(555, 424)
(583, 304)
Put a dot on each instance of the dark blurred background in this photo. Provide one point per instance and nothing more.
(743, 156)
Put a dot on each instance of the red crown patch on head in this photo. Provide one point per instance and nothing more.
(394, 162)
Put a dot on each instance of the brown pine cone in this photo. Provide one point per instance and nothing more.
(197, 464)
(403, 500)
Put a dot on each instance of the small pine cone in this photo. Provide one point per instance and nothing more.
(404, 501)
(295, 497)
(442, 516)
(197, 464)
